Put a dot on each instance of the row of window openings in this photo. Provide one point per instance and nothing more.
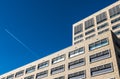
(105, 30)
(99, 70)
(92, 46)
(71, 54)
(91, 31)
(99, 18)
(93, 35)
(78, 41)
(99, 27)
(76, 75)
(74, 64)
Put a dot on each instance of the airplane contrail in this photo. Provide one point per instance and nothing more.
(13, 36)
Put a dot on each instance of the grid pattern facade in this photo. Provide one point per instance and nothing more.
(87, 60)
(98, 23)
(96, 58)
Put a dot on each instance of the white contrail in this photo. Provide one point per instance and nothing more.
(13, 36)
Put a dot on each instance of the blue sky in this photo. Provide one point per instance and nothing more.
(44, 26)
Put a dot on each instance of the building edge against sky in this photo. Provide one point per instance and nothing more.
(97, 23)
(97, 56)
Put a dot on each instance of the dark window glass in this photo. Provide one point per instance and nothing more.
(102, 69)
(43, 64)
(101, 17)
(100, 56)
(89, 23)
(58, 69)
(76, 63)
(114, 11)
(78, 29)
(31, 69)
(77, 75)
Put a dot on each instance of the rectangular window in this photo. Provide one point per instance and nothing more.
(10, 76)
(76, 63)
(3, 78)
(106, 68)
(78, 29)
(114, 11)
(58, 59)
(115, 20)
(43, 64)
(103, 31)
(78, 41)
(117, 32)
(98, 44)
(78, 37)
(20, 73)
(100, 56)
(116, 26)
(62, 77)
(89, 23)
(101, 17)
(29, 77)
(77, 75)
(102, 26)
(42, 74)
(76, 52)
(91, 36)
(31, 69)
(58, 69)
(90, 31)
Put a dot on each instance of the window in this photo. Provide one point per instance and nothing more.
(115, 20)
(98, 44)
(78, 29)
(78, 37)
(103, 31)
(102, 26)
(89, 23)
(58, 59)
(31, 69)
(117, 32)
(29, 77)
(78, 41)
(90, 31)
(58, 69)
(106, 68)
(77, 75)
(76, 52)
(114, 11)
(112, 78)
(116, 26)
(20, 73)
(100, 56)
(10, 76)
(3, 78)
(76, 63)
(43, 64)
(42, 74)
(62, 77)
(101, 17)
(90, 36)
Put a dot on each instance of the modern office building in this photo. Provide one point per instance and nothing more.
(95, 53)
(98, 23)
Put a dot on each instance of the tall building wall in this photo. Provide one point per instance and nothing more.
(95, 53)
(98, 23)
(91, 59)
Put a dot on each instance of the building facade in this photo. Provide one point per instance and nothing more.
(97, 56)
(98, 23)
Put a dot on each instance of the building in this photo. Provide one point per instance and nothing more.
(98, 23)
(97, 56)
